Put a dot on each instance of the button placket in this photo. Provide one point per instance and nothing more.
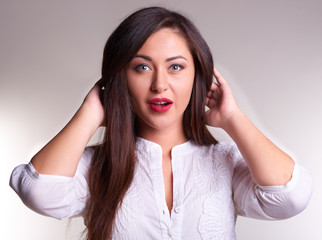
(176, 217)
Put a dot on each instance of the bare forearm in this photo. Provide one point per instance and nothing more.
(268, 165)
(62, 154)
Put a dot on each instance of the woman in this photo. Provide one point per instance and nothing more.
(159, 173)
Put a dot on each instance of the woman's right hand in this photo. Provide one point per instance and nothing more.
(61, 155)
(93, 103)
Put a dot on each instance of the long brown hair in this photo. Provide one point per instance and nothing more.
(113, 163)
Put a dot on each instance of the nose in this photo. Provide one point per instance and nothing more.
(160, 81)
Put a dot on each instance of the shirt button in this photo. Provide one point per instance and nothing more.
(170, 233)
(177, 209)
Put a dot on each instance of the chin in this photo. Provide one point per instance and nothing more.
(159, 124)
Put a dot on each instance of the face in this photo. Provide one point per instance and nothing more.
(160, 80)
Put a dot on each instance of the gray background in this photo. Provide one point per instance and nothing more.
(50, 55)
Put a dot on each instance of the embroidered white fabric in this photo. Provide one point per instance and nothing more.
(211, 186)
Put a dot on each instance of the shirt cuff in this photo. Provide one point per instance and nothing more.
(288, 186)
(45, 177)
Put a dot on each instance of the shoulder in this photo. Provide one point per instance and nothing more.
(224, 149)
(223, 152)
(214, 165)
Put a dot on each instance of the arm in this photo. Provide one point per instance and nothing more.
(268, 165)
(62, 154)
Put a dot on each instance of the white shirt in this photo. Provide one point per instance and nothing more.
(211, 186)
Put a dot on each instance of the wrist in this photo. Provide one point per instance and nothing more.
(235, 121)
(91, 116)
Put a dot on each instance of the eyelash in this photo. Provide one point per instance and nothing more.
(141, 66)
(177, 65)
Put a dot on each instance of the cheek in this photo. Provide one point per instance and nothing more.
(185, 94)
(134, 99)
(137, 96)
(137, 85)
(133, 88)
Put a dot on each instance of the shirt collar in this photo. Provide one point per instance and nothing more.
(182, 149)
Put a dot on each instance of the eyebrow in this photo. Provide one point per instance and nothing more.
(167, 60)
(144, 57)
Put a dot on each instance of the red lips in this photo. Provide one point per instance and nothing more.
(160, 105)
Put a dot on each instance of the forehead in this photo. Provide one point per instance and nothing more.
(164, 42)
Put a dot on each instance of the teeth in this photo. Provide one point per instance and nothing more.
(160, 103)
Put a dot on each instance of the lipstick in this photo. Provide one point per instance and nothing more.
(160, 105)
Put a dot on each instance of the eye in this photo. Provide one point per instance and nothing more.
(176, 67)
(142, 68)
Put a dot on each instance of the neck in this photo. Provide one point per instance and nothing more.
(166, 138)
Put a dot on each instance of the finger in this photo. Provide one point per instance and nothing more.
(211, 90)
(214, 86)
(213, 97)
(220, 79)
(212, 103)
(214, 90)
(207, 101)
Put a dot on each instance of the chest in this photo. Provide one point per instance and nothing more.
(201, 201)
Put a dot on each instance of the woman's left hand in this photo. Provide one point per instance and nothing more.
(268, 165)
(221, 103)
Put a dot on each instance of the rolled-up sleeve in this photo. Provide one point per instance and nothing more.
(271, 202)
(59, 197)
